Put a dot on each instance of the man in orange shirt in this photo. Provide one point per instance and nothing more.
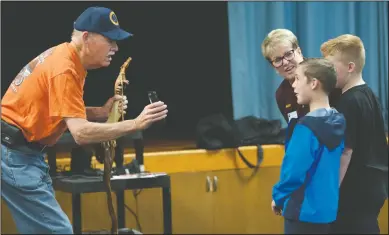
(44, 100)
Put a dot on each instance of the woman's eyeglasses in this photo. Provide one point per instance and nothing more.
(279, 61)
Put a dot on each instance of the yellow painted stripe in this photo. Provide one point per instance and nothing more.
(199, 159)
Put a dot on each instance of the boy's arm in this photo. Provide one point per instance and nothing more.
(297, 161)
(344, 163)
(350, 110)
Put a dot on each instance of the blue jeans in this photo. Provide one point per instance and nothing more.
(27, 189)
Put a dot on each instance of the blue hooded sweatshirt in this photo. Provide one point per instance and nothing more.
(308, 189)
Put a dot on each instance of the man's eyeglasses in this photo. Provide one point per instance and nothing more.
(279, 61)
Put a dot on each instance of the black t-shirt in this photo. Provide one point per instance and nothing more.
(366, 176)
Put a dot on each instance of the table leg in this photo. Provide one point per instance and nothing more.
(120, 209)
(167, 210)
(76, 211)
(52, 161)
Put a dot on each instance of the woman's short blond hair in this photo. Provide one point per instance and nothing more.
(275, 38)
(349, 47)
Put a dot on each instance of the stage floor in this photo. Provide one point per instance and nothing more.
(153, 146)
(165, 145)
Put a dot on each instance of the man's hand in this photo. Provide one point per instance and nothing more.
(107, 108)
(100, 114)
(109, 104)
(122, 103)
(150, 114)
(275, 209)
(118, 85)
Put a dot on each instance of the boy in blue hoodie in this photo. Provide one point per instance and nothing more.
(308, 191)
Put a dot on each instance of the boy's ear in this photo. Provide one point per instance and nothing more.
(314, 84)
(351, 67)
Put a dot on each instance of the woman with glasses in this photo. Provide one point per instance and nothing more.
(281, 49)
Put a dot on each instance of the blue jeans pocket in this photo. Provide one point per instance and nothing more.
(27, 171)
(29, 194)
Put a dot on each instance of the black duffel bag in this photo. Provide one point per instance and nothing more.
(216, 132)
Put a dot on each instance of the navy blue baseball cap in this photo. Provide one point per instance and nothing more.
(103, 21)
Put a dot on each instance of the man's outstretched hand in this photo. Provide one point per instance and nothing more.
(151, 113)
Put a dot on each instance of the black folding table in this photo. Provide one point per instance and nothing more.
(76, 185)
(79, 185)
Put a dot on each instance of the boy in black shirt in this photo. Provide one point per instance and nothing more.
(364, 164)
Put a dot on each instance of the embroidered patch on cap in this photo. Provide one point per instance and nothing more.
(113, 18)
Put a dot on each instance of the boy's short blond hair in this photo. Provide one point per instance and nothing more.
(350, 49)
(275, 38)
